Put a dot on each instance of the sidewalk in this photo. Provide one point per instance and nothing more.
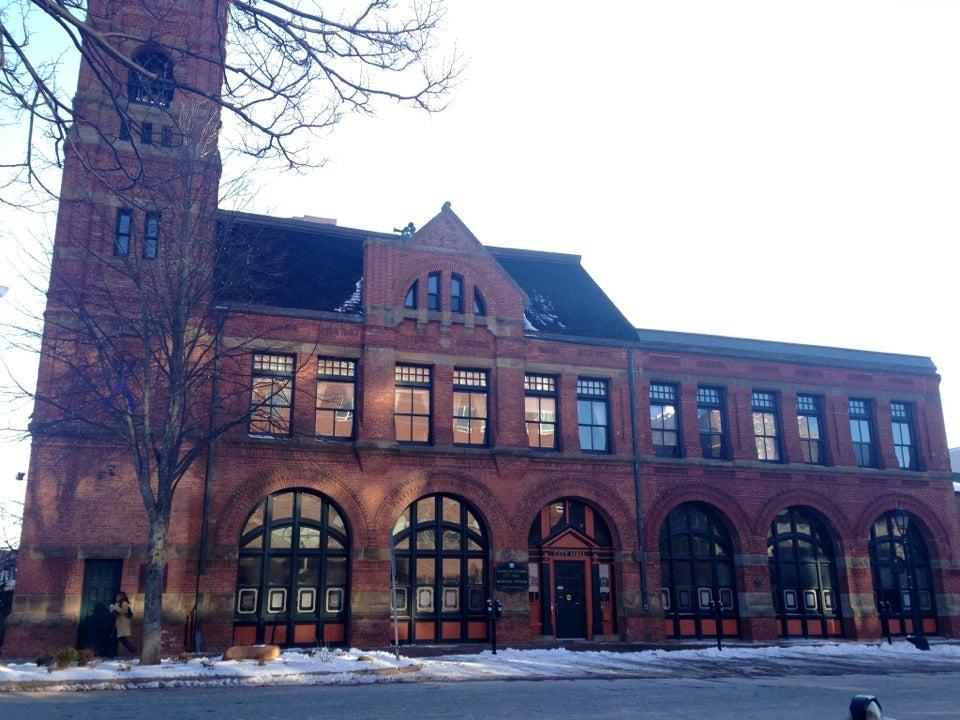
(355, 667)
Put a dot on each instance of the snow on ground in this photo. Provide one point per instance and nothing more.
(360, 667)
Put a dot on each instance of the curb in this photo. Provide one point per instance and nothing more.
(195, 680)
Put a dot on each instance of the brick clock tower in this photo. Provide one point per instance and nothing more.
(125, 154)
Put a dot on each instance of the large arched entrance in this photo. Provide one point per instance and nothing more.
(803, 575)
(293, 573)
(903, 582)
(696, 566)
(571, 572)
(440, 554)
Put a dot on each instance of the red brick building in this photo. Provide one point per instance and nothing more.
(437, 406)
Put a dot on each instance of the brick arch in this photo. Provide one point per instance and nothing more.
(933, 531)
(226, 528)
(621, 525)
(418, 485)
(834, 519)
(725, 506)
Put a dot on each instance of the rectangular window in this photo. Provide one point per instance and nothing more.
(766, 427)
(810, 425)
(456, 294)
(412, 403)
(146, 133)
(271, 398)
(433, 291)
(166, 136)
(593, 419)
(901, 419)
(121, 243)
(540, 411)
(470, 407)
(664, 420)
(861, 432)
(151, 236)
(336, 398)
(710, 422)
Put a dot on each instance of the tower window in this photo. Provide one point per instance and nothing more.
(146, 133)
(156, 90)
(151, 236)
(121, 244)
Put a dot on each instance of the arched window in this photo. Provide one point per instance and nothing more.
(900, 564)
(456, 293)
(440, 551)
(479, 304)
(803, 575)
(156, 90)
(571, 591)
(410, 301)
(696, 566)
(293, 574)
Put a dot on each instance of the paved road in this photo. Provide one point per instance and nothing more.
(912, 696)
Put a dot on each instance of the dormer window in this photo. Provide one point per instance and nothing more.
(156, 90)
(433, 291)
(479, 304)
(456, 293)
(410, 302)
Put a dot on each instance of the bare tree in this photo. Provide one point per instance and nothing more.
(292, 68)
(133, 355)
(11, 518)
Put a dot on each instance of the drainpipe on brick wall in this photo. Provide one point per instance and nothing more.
(637, 486)
(207, 482)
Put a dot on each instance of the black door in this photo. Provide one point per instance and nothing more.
(101, 583)
(571, 602)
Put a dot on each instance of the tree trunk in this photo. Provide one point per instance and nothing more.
(153, 593)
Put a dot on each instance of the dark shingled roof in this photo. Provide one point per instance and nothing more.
(718, 345)
(563, 298)
(295, 264)
(304, 265)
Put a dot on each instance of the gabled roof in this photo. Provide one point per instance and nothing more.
(306, 265)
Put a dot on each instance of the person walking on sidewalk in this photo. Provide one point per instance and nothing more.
(123, 613)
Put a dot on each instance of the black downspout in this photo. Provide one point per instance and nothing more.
(637, 486)
(207, 490)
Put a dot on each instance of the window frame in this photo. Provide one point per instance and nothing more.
(413, 293)
(414, 384)
(772, 409)
(472, 389)
(907, 419)
(457, 288)
(703, 403)
(531, 391)
(814, 409)
(151, 237)
(863, 419)
(255, 373)
(341, 379)
(434, 297)
(602, 398)
(664, 403)
(479, 303)
(117, 235)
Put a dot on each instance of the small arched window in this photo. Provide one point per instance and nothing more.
(156, 90)
(456, 293)
(479, 304)
(410, 302)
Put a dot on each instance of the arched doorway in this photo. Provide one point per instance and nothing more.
(894, 572)
(293, 573)
(571, 572)
(696, 566)
(803, 575)
(440, 551)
